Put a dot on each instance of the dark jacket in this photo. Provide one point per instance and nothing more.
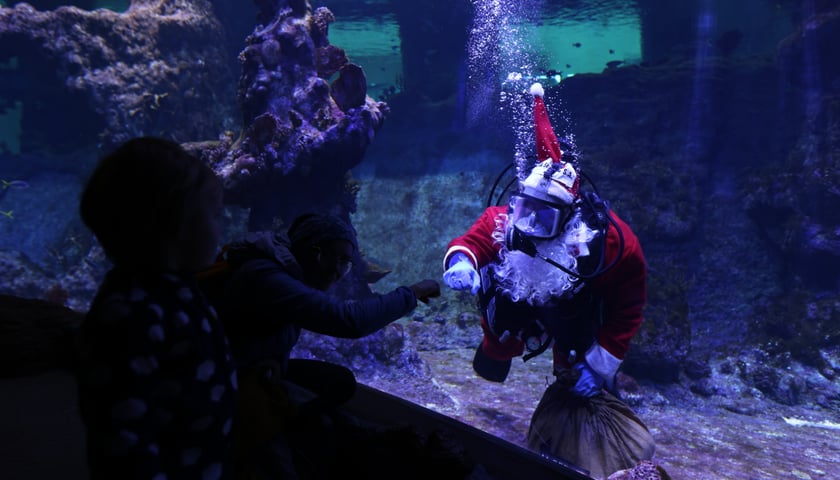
(266, 304)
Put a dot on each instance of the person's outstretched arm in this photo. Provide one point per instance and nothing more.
(316, 311)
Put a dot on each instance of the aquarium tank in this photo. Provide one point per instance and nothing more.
(705, 132)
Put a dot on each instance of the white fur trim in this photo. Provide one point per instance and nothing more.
(603, 362)
(537, 90)
(554, 189)
(455, 249)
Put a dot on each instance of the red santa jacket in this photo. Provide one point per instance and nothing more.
(622, 289)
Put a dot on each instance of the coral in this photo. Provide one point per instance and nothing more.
(271, 53)
(350, 89)
(697, 369)
(645, 470)
(798, 324)
(117, 75)
(300, 134)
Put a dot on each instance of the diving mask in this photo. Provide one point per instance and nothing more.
(536, 218)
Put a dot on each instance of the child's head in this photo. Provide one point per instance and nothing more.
(324, 246)
(153, 206)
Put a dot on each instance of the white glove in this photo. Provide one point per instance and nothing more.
(461, 274)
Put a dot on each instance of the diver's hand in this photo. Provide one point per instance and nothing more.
(589, 384)
(425, 289)
(461, 274)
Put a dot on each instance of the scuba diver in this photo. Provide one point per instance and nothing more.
(555, 268)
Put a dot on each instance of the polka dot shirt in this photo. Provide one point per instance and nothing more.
(157, 385)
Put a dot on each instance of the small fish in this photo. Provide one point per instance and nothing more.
(8, 213)
(612, 51)
(614, 63)
(577, 44)
(16, 184)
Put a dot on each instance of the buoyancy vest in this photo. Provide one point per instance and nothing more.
(568, 323)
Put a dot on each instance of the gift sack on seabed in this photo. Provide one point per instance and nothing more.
(599, 434)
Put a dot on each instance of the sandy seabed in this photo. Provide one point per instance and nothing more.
(694, 442)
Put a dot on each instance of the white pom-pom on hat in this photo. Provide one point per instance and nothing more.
(552, 179)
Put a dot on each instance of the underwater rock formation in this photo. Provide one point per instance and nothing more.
(661, 349)
(645, 470)
(732, 246)
(100, 76)
(794, 203)
(88, 78)
(300, 133)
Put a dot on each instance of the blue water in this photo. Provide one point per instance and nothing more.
(679, 173)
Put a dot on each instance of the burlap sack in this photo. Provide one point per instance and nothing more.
(599, 434)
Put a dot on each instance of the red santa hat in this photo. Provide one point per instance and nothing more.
(552, 179)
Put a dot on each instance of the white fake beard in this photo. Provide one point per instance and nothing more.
(531, 279)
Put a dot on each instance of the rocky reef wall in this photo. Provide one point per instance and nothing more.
(100, 77)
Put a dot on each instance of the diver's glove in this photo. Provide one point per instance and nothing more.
(589, 384)
(461, 275)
